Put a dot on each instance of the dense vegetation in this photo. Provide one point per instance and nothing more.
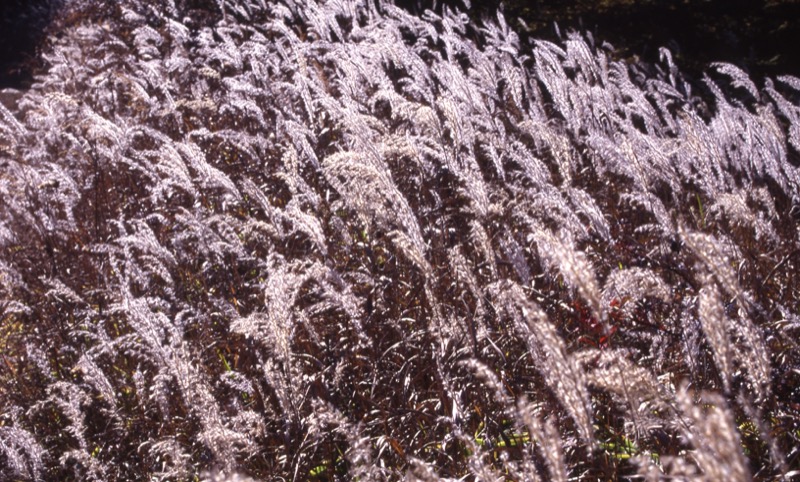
(332, 240)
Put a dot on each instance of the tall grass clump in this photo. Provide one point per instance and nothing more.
(330, 240)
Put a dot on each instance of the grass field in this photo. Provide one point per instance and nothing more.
(338, 241)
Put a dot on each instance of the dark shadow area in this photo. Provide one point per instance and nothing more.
(760, 36)
(23, 26)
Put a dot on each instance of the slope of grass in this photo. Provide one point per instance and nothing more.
(336, 241)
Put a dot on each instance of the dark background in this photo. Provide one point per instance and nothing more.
(23, 24)
(760, 36)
